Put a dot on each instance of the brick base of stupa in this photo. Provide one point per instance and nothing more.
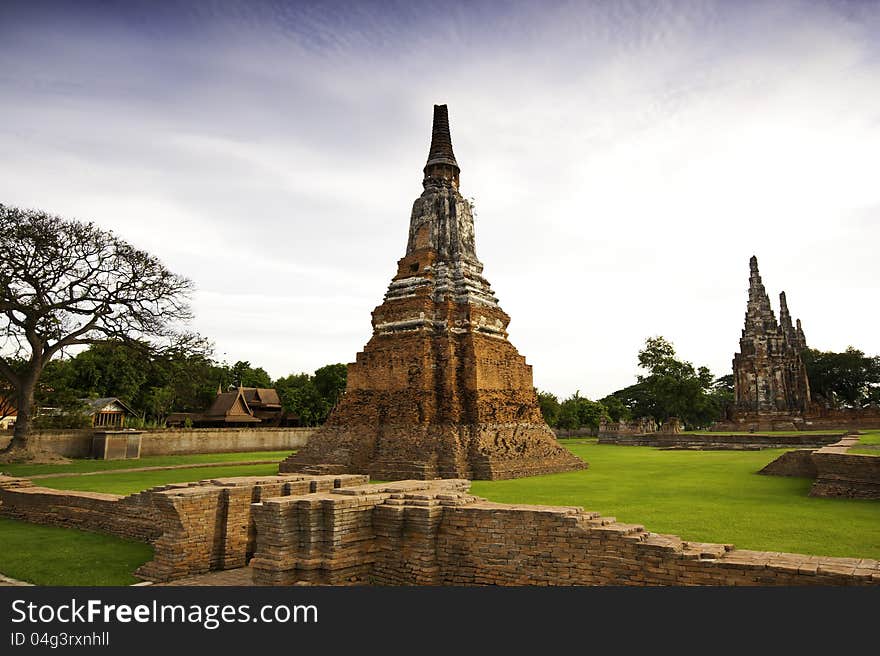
(476, 452)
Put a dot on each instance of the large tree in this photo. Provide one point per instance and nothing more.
(65, 283)
(672, 388)
(850, 379)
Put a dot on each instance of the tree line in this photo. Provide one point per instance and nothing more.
(671, 387)
(154, 385)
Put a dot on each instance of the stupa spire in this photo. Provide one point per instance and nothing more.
(785, 320)
(759, 313)
(441, 165)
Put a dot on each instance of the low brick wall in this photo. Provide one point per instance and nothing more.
(842, 474)
(194, 527)
(436, 533)
(341, 530)
(792, 463)
(707, 441)
(209, 526)
(131, 517)
(72, 443)
(173, 441)
(222, 440)
(837, 472)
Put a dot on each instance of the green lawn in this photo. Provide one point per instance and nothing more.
(49, 555)
(127, 483)
(869, 444)
(86, 465)
(870, 438)
(709, 496)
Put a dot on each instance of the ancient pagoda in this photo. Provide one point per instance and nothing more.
(438, 391)
(770, 379)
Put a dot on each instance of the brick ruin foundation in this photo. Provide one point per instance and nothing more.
(722, 441)
(837, 472)
(438, 391)
(437, 533)
(343, 530)
(194, 527)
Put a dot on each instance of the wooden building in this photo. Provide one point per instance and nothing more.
(109, 412)
(240, 406)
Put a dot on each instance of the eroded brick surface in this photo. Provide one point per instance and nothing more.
(437, 533)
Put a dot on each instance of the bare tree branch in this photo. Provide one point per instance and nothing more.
(65, 283)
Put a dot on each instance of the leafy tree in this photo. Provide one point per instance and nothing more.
(152, 383)
(299, 395)
(850, 379)
(580, 412)
(568, 416)
(244, 375)
(549, 407)
(330, 382)
(110, 370)
(616, 408)
(672, 388)
(65, 283)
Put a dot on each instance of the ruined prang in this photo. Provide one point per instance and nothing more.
(438, 391)
(770, 379)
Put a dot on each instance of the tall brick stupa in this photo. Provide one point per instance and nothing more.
(438, 391)
(770, 379)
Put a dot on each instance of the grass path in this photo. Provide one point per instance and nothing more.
(87, 465)
(710, 496)
(201, 465)
(130, 482)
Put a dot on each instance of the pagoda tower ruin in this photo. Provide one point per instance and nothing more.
(438, 391)
(770, 379)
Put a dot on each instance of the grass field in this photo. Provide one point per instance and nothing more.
(710, 496)
(49, 555)
(88, 465)
(869, 444)
(130, 482)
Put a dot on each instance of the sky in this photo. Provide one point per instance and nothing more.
(625, 159)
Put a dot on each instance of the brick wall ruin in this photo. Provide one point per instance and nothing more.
(194, 527)
(341, 530)
(132, 517)
(837, 472)
(437, 533)
(798, 463)
(710, 441)
(842, 474)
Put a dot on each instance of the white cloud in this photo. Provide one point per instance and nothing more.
(626, 159)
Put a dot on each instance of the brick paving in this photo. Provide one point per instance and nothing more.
(240, 576)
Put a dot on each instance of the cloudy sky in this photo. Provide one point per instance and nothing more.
(626, 159)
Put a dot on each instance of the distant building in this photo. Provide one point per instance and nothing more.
(264, 403)
(241, 406)
(8, 414)
(109, 412)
